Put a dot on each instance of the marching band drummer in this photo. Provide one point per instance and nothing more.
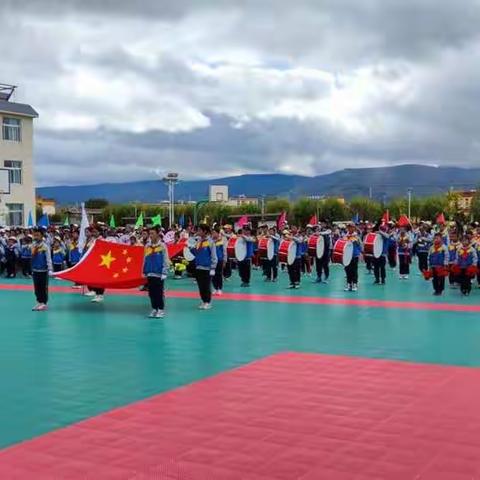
(221, 250)
(205, 262)
(379, 264)
(245, 266)
(404, 253)
(322, 265)
(227, 235)
(294, 270)
(271, 271)
(351, 270)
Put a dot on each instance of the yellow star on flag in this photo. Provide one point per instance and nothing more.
(107, 260)
(125, 270)
(125, 252)
(115, 275)
(129, 259)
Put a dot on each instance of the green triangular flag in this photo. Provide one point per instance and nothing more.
(157, 220)
(66, 223)
(139, 222)
(112, 221)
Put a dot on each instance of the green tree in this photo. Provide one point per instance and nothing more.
(397, 207)
(303, 210)
(333, 210)
(277, 205)
(475, 209)
(366, 208)
(432, 206)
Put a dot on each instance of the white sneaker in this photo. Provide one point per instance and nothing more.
(355, 288)
(348, 288)
(201, 306)
(159, 314)
(90, 293)
(35, 308)
(153, 313)
(215, 292)
(219, 293)
(41, 308)
(207, 306)
(97, 299)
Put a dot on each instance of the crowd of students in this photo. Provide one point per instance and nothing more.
(441, 251)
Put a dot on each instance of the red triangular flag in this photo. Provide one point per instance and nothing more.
(403, 221)
(242, 221)
(282, 220)
(441, 219)
(386, 217)
(313, 221)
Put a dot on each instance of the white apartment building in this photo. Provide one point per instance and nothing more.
(16, 159)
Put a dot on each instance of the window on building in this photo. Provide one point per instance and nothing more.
(12, 129)
(15, 214)
(14, 170)
(219, 196)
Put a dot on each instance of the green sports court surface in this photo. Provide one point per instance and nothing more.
(80, 359)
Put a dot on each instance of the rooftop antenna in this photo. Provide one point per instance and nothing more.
(6, 91)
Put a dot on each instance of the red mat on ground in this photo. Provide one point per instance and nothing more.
(290, 416)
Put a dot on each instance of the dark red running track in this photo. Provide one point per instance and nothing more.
(251, 297)
(290, 416)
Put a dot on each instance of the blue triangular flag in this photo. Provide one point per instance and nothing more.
(30, 219)
(43, 222)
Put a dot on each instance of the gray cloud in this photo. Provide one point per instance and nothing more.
(226, 87)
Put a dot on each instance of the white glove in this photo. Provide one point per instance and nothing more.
(50, 273)
(212, 273)
(163, 277)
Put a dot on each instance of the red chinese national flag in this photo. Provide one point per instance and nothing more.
(175, 249)
(313, 221)
(108, 265)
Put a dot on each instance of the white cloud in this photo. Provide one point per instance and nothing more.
(222, 87)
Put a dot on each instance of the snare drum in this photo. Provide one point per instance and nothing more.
(373, 245)
(287, 252)
(316, 246)
(342, 252)
(237, 249)
(266, 248)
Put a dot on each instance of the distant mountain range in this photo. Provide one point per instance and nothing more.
(381, 183)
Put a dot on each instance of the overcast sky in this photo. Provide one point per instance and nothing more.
(210, 88)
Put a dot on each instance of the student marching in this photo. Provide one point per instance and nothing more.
(300, 255)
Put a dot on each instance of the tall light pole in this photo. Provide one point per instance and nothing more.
(409, 191)
(170, 180)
